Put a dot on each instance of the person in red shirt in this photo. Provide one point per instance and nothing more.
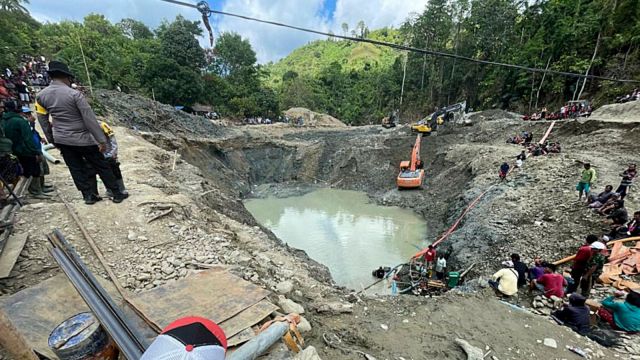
(552, 283)
(580, 263)
(429, 257)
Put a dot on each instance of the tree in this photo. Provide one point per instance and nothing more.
(134, 29)
(178, 42)
(361, 28)
(345, 29)
(14, 6)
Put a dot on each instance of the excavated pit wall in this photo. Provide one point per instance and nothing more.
(460, 163)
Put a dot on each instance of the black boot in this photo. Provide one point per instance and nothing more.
(119, 197)
(91, 199)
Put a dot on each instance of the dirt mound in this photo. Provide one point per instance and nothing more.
(314, 119)
(492, 115)
(627, 112)
(144, 114)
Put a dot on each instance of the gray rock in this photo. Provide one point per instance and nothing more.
(335, 308)
(143, 277)
(284, 287)
(289, 306)
(131, 236)
(549, 342)
(304, 325)
(168, 270)
(310, 353)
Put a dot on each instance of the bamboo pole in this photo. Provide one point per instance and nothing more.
(595, 52)
(86, 68)
(544, 75)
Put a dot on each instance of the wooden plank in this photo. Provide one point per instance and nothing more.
(37, 310)
(248, 318)
(241, 337)
(12, 341)
(214, 295)
(12, 249)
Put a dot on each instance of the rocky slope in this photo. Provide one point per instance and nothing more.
(534, 213)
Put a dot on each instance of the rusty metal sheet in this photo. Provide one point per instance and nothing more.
(213, 295)
(248, 318)
(37, 310)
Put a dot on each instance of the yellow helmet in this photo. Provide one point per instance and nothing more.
(106, 129)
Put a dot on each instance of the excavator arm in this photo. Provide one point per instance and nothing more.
(415, 154)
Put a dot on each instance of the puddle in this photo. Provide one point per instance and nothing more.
(343, 230)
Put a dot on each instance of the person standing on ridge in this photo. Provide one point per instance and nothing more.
(587, 177)
(76, 132)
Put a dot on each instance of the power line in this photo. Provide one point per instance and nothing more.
(406, 48)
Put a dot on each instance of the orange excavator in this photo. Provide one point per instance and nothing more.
(411, 174)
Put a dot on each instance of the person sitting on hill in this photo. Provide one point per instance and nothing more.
(608, 206)
(505, 281)
(522, 156)
(596, 201)
(619, 215)
(623, 316)
(551, 283)
(535, 272)
(574, 315)
(632, 229)
(555, 148)
(521, 268)
(528, 139)
(627, 180)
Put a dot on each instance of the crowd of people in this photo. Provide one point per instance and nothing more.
(21, 82)
(588, 263)
(88, 147)
(633, 96)
(570, 110)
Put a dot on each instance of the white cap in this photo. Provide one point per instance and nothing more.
(598, 245)
(508, 263)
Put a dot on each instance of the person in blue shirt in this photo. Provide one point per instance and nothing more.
(623, 315)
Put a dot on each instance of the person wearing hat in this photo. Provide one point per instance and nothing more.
(37, 183)
(77, 133)
(17, 129)
(594, 267)
(188, 338)
(574, 315)
(505, 281)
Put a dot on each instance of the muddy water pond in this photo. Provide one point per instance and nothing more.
(343, 230)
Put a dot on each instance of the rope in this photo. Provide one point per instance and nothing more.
(409, 48)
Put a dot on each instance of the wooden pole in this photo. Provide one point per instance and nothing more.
(155, 104)
(86, 68)
(544, 75)
(595, 52)
(107, 268)
(404, 75)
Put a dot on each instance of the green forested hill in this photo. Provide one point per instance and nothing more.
(311, 59)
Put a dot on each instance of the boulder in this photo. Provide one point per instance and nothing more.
(304, 325)
(289, 306)
(284, 287)
(310, 353)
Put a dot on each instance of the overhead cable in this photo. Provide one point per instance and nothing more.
(409, 48)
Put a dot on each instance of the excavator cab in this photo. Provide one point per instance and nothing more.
(411, 174)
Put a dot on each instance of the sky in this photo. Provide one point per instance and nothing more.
(271, 43)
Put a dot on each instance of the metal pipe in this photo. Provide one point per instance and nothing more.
(128, 340)
(48, 156)
(261, 343)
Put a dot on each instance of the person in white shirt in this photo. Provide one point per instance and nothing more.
(441, 266)
(505, 281)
